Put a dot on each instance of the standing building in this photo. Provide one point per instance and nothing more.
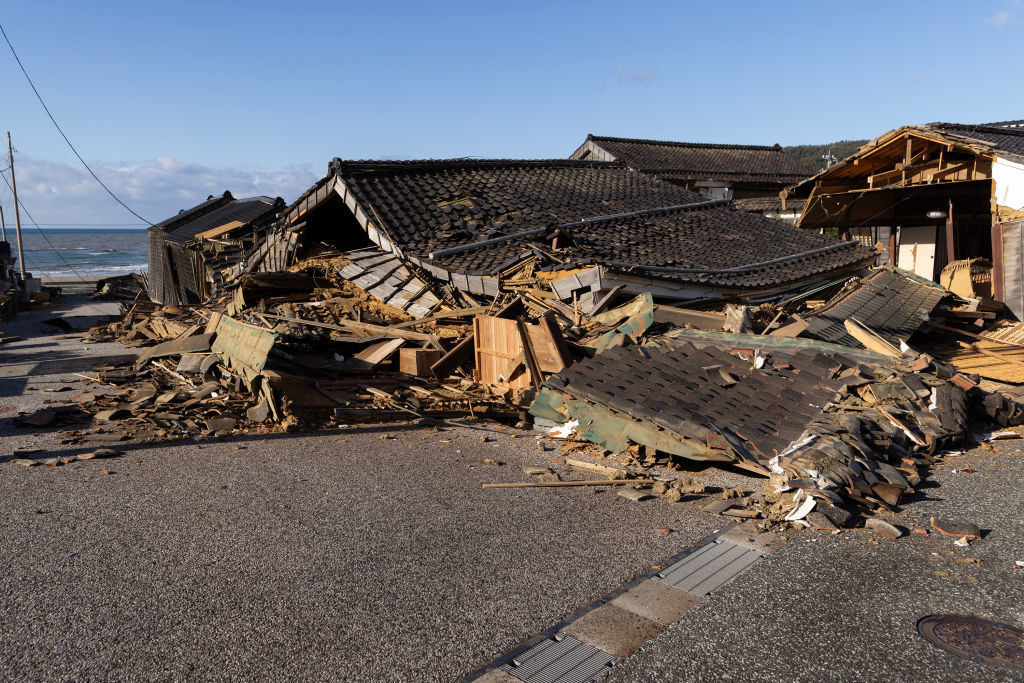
(934, 194)
(716, 171)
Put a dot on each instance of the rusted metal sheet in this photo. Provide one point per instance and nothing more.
(243, 343)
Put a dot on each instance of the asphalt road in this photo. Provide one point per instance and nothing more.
(845, 607)
(330, 556)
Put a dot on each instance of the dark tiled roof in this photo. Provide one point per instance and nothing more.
(769, 203)
(891, 302)
(185, 215)
(429, 206)
(1005, 136)
(242, 210)
(692, 160)
(671, 389)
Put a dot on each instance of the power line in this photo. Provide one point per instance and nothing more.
(55, 250)
(59, 130)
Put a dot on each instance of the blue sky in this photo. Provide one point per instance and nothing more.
(174, 101)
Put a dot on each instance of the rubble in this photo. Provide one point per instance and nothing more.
(425, 292)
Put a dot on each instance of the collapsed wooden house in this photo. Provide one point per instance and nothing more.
(194, 252)
(716, 171)
(582, 229)
(934, 194)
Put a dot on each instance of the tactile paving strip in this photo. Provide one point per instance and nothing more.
(566, 660)
(709, 568)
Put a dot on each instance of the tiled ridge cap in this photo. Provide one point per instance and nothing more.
(695, 145)
(982, 128)
(340, 166)
(735, 269)
(645, 212)
(738, 171)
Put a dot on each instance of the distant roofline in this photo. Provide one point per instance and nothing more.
(338, 165)
(982, 127)
(697, 145)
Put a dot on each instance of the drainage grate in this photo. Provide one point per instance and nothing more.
(566, 660)
(709, 568)
(980, 640)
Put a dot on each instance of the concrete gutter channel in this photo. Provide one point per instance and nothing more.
(587, 644)
(824, 607)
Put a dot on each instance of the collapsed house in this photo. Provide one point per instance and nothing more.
(716, 171)
(933, 194)
(609, 305)
(582, 229)
(189, 252)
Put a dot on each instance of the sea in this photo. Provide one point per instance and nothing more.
(87, 252)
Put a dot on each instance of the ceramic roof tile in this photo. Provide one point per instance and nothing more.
(609, 214)
(693, 160)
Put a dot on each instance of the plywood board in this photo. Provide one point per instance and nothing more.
(497, 343)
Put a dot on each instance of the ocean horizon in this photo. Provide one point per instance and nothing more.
(90, 252)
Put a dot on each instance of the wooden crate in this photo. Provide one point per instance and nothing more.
(417, 362)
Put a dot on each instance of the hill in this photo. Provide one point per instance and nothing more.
(812, 154)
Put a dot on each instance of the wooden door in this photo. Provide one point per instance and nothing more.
(917, 250)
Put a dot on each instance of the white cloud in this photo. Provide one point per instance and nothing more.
(1002, 18)
(1007, 16)
(56, 192)
(625, 73)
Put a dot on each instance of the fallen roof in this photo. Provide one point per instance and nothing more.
(682, 390)
(891, 302)
(696, 160)
(213, 213)
(477, 217)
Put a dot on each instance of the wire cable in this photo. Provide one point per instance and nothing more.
(55, 249)
(59, 130)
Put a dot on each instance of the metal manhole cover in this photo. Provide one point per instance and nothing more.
(979, 640)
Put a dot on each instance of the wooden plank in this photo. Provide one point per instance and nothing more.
(370, 330)
(870, 340)
(418, 362)
(176, 347)
(531, 357)
(701, 320)
(377, 353)
(550, 350)
(540, 484)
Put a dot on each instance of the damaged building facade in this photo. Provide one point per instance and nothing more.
(933, 194)
(188, 252)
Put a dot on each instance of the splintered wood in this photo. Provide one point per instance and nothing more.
(997, 354)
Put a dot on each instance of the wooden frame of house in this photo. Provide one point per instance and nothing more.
(932, 194)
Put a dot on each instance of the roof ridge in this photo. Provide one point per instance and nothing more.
(340, 165)
(698, 145)
(982, 127)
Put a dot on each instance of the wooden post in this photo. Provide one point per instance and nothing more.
(17, 214)
(951, 249)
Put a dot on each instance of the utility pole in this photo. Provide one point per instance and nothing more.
(3, 226)
(17, 214)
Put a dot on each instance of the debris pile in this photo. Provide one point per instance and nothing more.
(602, 305)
